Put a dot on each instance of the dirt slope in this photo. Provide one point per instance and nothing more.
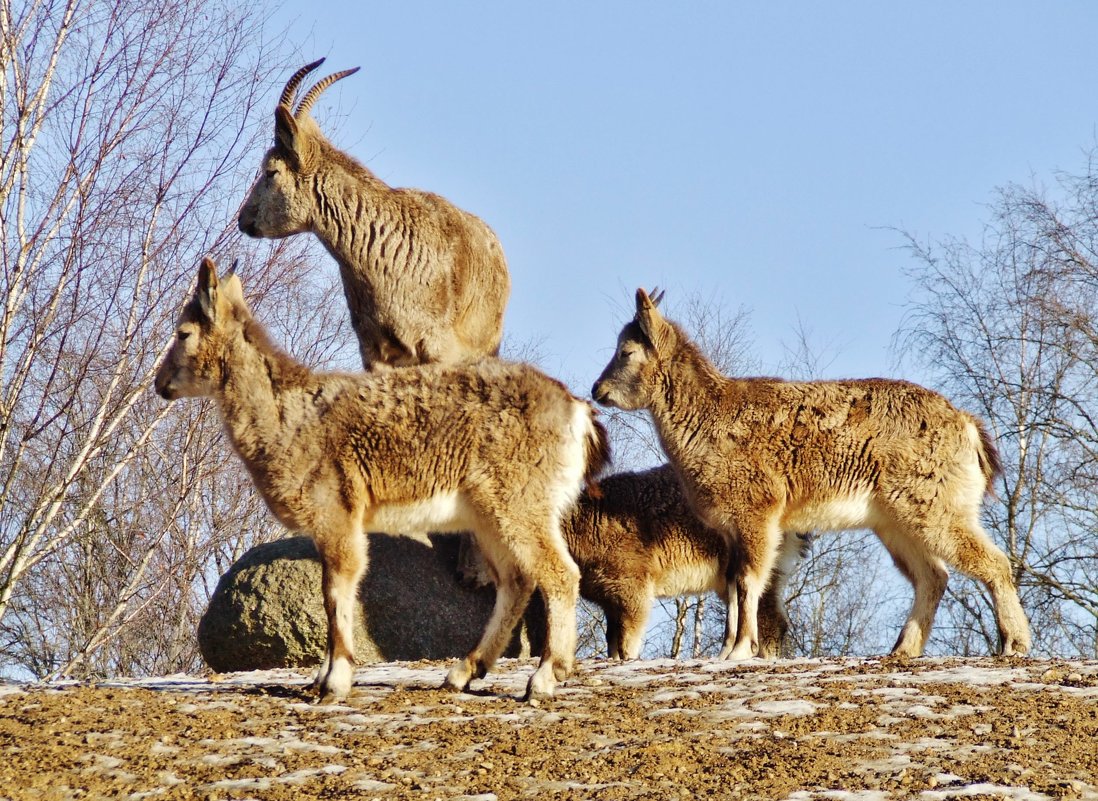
(805, 729)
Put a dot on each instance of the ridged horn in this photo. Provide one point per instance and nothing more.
(314, 93)
(287, 98)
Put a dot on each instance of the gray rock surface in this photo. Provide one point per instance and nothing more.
(267, 610)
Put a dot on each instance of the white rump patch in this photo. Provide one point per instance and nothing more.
(574, 464)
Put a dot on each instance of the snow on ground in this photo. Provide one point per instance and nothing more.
(727, 707)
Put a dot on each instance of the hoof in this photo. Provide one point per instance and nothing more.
(741, 653)
(541, 685)
(536, 697)
(460, 676)
(329, 697)
(454, 688)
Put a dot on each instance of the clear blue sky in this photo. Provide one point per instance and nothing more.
(757, 153)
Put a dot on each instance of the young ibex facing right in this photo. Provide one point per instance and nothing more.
(425, 281)
(759, 456)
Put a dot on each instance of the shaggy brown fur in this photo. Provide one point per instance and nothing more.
(424, 280)
(636, 540)
(760, 456)
(494, 448)
(641, 541)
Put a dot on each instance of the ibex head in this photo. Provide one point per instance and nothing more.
(192, 366)
(279, 204)
(641, 344)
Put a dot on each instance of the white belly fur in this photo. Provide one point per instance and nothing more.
(444, 512)
(692, 578)
(837, 514)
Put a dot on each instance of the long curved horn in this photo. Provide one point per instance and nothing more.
(314, 93)
(288, 93)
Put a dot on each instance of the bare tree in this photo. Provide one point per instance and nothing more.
(121, 129)
(1011, 326)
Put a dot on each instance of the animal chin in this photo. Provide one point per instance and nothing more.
(603, 398)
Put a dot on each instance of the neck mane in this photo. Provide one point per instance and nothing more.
(689, 396)
(346, 189)
(259, 382)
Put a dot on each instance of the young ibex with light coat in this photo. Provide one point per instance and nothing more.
(424, 281)
(494, 448)
(640, 541)
(759, 456)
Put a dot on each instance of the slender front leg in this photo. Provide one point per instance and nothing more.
(760, 538)
(558, 579)
(731, 615)
(343, 563)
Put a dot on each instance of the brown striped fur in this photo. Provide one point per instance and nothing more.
(424, 280)
(759, 456)
(490, 447)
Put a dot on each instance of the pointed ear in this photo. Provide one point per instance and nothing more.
(288, 135)
(207, 290)
(233, 291)
(651, 322)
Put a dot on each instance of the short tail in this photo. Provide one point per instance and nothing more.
(596, 453)
(990, 463)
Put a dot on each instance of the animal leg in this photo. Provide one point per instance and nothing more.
(558, 578)
(513, 592)
(634, 619)
(761, 538)
(613, 631)
(343, 562)
(773, 622)
(773, 617)
(975, 554)
(731, 616)
(928, 576)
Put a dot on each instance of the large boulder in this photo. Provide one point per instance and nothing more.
(267, 610)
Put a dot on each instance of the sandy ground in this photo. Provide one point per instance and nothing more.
(801, 729)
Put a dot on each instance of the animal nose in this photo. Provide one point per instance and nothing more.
(163, 388)
(597, 393)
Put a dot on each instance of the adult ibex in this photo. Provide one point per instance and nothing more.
(759, 456)
(424, 280)
(495, 448)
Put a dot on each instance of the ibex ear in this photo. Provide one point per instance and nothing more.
(233, 291)
(288, 136)
(208, 288)
(651, 322)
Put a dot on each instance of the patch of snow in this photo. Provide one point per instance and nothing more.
(796, 706)
(372, 786)
(985, 789)
(839, 795)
